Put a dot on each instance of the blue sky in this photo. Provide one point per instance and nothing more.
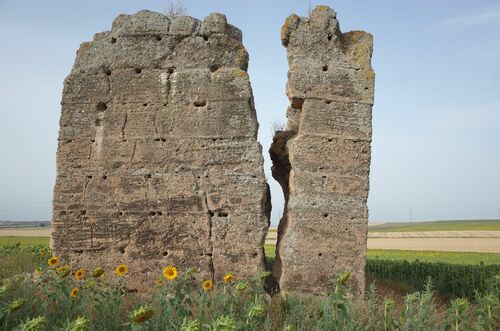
(436, 119)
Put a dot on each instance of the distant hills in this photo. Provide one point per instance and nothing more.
(24, 224)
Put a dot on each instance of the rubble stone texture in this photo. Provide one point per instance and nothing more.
(158, 162)
(322, 159)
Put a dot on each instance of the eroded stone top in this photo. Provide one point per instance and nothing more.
(316, 44)
(165, 43)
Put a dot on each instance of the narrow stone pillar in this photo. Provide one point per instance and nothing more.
(322, 159)
(158, 161)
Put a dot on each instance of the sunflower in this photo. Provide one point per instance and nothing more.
(228, 278)
(121, 270)
(34, 324)
(159, 281)
(170, 272)
(207, 285)
(53, 261)
(79, 274)
(74, 292)
(16, 305)
(63, 271)
(97, 272)
(142, 314)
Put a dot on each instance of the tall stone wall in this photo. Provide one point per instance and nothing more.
(322, 159)
(158, 162)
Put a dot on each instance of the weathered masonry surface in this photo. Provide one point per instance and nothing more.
(158, 162)
(322, 159)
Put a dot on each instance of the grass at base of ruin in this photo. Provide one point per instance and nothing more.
(398, 299)
(423, 256)
(54, 299)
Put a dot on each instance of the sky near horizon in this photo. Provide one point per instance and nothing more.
(436, 118)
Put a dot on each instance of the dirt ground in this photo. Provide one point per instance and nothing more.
(484, 245)
(25, 232)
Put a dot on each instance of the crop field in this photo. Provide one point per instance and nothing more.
(484, 245)
(465, 225)
(481, 236)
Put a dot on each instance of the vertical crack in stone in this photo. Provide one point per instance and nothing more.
(155, 118)
(125, 119)
(91, 235)
(133, 151)
(210, 214)
(281, 172)
(87, 180)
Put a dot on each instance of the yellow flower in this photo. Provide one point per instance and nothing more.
(228, 278)
(159, 281)
(79, 274)
(121, 270)
(74, 292)
(207, 285)
(170, 272)
(53, 261)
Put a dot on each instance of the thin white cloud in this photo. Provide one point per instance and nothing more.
(484, 51)
(478, 117)
(486, 16)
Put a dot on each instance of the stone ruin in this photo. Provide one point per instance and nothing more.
(158, 161)
(322, 159)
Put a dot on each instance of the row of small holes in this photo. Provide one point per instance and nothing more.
(153, 213)
(158, 38)
(161, 139)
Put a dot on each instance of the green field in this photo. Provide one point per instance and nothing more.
(423, 256)
(25, 241)
(465, 225)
